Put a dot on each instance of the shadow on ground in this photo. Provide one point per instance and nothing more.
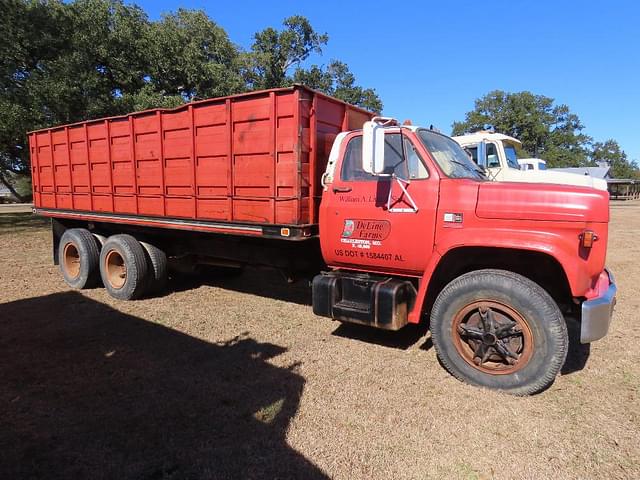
(401, 340)
(578, 353)
(263, 282)
(89, 392)
(20, 222)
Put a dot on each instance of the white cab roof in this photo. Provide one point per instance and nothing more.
(532, 160)
(480, 136)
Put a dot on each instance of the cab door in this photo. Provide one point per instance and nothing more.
(487, 155)
(369, 222)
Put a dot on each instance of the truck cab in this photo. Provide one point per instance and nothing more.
(411, 229)
(497, 154)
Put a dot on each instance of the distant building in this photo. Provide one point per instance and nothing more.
(603, 172)
(5, 194)
(4, 191)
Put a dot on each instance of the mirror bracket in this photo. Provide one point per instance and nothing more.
(405, 193)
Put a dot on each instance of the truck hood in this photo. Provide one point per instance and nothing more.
(549, 176)
(544, 202)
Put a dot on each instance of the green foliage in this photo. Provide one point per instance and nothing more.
(33, 36)
(191, 56)
(150, 97)
(546, 130)
(22, 185)
(68, 63)
(274, 52)
(338, 81)
(610, 153)
(63, 62)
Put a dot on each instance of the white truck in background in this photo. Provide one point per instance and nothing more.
(532, 164)
(496, 154)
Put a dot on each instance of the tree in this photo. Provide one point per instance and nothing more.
(66, 62)
(611, 153)
(274, 52)
(34, 34)
(191, 56)
(338, 81)
(546, 130)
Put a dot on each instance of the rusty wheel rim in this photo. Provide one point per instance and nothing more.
(71, 260)
(115, 269)
(492, 337)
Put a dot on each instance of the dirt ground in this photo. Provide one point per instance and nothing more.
(236, 378)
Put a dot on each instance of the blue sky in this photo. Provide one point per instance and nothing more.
(429, 61)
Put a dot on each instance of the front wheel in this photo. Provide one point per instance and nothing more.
(499, 330)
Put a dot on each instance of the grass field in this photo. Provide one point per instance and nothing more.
(236, 378)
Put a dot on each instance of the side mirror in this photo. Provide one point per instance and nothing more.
(482, 155)
(373, 147)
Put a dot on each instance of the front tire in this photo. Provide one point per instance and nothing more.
(499, 330)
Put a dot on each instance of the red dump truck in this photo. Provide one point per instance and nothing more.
(393, 222)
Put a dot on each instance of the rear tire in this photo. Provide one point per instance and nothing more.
(78, 255)
(100, 239)
(157, 266)
(123, 267)
(500, 330)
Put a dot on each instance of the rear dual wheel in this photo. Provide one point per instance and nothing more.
(500, 330)
(158, 268)
(78, 256)
(129, 268)
(123, 267)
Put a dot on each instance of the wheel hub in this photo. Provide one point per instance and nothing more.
(489, 339)
(115, 269)
(492, 337)
(71, 260)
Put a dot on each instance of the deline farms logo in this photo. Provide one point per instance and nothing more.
(366, 229)
(349, 227)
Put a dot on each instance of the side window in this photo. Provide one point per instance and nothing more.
(394, 155)
(492, 156)
(393, 159)
(416, 167)
(352, 163)
(473, 153)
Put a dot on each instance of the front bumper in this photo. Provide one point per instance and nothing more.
(597, 313)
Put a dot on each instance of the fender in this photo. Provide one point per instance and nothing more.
(560, 241)
(582, 267)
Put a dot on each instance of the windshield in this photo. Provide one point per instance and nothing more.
(450, 156)
(512, 156)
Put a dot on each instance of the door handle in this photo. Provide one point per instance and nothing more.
(341, 189)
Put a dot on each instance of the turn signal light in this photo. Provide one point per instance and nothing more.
(587, 238)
